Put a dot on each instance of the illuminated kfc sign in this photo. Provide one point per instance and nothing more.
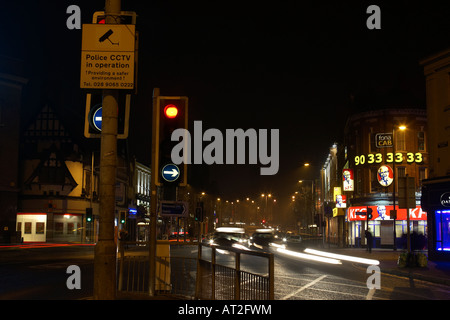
(383, 213)
(348, 180)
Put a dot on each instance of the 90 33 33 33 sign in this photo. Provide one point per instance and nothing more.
(390, 157)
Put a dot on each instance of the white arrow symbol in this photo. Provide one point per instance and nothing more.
(173, 172)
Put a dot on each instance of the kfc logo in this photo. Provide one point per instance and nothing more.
(385, 176)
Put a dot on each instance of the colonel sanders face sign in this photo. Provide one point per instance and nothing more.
(385, 176)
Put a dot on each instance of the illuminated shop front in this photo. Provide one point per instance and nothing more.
(43, 227)
(382, 225)
(436, 199)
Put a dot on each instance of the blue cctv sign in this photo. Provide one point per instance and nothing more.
(170, 172)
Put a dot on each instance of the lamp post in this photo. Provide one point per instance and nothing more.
(265, 196)
(401, 128)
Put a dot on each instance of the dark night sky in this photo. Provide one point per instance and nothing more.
(288, 65)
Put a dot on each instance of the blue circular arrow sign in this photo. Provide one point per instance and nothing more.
(170, 172)
(97, 119)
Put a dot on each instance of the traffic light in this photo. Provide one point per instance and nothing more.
(122, 217)
(199, 214)
(93, 115)
(172, 115)
(126, 17)
(369, 213)
(88, 214)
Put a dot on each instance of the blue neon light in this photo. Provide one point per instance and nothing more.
(442, 230)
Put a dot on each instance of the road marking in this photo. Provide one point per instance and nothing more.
(303, 288)
(370, 294)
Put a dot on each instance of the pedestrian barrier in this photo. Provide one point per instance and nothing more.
(181, 275)
(217, 281)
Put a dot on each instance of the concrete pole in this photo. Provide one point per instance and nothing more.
(105, 249)
(153, 198)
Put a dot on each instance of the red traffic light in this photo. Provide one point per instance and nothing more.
(170, 111)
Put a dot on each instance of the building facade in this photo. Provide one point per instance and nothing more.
(11, 87)
(380, 148)
(59, 184)
(436, 190)
(333, 212)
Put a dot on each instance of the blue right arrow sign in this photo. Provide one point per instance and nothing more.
(170, 172)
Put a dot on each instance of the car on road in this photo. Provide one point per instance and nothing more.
(293, 238)
(228, 237)
(266, 238)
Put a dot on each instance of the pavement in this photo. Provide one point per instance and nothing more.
(435, 271)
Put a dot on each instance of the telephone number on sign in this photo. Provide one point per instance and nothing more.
(113, 84)
(390, 157)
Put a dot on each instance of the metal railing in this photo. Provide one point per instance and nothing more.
(217, 281)
(189, 277)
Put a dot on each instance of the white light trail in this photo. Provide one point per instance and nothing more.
(371, 262)
(308, 256)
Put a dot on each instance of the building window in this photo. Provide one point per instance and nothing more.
(401, 172)
(358, 181)
(372, 142)
(70, 228)
(27, 228)
(59, 228)
(40, 227)
(374, 184)
(400, 142)
(422, 173)
(421, 140)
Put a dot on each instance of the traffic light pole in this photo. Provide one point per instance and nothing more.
(105, 249)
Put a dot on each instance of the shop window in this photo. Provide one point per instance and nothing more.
(70, 228)
(374, 227)
(442, 230)
(59, 228)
